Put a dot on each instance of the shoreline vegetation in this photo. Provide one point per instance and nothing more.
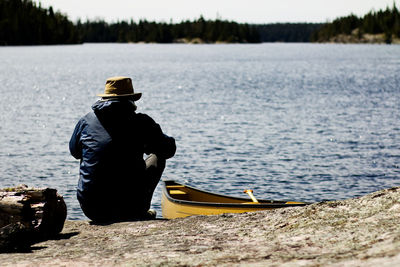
(381, 26)
(22, 22)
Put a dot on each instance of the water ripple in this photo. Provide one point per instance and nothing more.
(290, 121)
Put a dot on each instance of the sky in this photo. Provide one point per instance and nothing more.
(243, 11)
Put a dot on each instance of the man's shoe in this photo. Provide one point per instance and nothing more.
(151, 214)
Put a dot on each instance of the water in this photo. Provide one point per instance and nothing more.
(290, 121)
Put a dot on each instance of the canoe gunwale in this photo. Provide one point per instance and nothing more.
(272, 205)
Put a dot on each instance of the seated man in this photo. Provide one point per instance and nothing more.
(114, 182)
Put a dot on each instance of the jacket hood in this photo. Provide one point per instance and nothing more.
(114, 106)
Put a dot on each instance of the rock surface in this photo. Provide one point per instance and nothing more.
(356, 38)
(356, 232)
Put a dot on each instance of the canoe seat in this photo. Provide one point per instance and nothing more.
(175, 186)
(177, 192)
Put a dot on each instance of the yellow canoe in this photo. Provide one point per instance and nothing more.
(180, 200)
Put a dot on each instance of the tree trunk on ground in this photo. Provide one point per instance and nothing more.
(29, 214)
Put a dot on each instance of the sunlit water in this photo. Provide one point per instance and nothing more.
(290, 121)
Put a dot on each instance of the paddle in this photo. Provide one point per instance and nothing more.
(250, 193)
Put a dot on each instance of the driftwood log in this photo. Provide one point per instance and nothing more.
(28, 215)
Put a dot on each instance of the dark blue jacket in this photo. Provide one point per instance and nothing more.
(110, 142)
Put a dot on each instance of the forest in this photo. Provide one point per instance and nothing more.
(287, 32)
(23, 22)
(385, 22)
(199, 30)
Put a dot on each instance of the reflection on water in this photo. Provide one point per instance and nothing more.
(292, 121)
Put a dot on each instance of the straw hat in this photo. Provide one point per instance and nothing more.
(119, 86)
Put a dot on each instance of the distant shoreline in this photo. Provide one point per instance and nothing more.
(340, 39)
(354, 38)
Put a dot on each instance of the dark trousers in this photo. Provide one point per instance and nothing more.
(102, 211)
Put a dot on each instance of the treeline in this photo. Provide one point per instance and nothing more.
(200, 30)
(287, 32)
(24, 23)
(385, 22)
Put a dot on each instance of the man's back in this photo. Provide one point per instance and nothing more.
(111, 142)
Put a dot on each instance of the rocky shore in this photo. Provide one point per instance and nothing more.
(356, 232)
(356, 38)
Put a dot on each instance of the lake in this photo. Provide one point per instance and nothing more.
(304, 122)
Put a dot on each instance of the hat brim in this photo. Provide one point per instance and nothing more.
(136, 96)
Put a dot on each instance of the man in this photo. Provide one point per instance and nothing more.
(115, 183)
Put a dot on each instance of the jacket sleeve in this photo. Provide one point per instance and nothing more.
(157, 142)
(75, 146)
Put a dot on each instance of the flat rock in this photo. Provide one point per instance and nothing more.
(356, 232)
